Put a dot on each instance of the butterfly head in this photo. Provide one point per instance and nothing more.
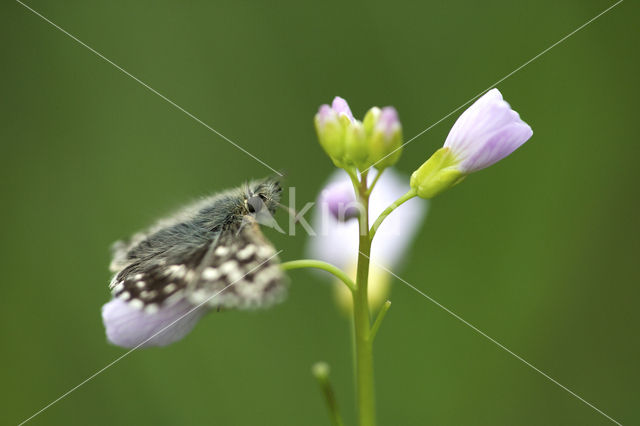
(262, 196)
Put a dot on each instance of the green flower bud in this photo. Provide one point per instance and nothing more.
(370, 119)
(357, 150)
(384, 133)
(330, 128)
(437, 174)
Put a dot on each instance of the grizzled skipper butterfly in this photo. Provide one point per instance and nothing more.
(211, 252)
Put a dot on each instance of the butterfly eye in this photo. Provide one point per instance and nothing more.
(254, 204)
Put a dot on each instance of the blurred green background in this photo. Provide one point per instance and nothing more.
(539, 251)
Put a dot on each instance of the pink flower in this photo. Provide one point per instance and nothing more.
(484, 134)
(336, 240)
(488, 131)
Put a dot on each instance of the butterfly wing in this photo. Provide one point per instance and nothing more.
(158, 280)
(240, 270)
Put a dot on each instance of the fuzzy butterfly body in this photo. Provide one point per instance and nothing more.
(210, 253)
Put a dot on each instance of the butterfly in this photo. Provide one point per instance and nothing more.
(209, 253)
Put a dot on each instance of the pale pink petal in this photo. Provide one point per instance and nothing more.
(129, 327)
(340, 200)
(340, 106)
(486, 132)
(498, 145)
(325, 113)
(388, 123)
(337, 241)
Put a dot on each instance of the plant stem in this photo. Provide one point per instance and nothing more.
(320, 371)
(354, 177)
(365, 394)
(375, 180)
(406, 197)
(364, 333)
(379, 318)
(318, 264)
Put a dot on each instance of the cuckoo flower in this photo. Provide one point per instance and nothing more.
(129, 327)
(337, 230)
(488, 131)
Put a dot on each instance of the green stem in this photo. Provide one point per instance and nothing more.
(406, 197)
(375, 180)
(353, 175)
(363, 179)
(320, 371)
(364, 333)
(379, 318)
(318, 264)
(361, 319)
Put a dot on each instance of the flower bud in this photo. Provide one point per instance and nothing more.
(437, 174)
(384, 133)
(341, 107)
(488, 131)
(356, 145)
(330, 128)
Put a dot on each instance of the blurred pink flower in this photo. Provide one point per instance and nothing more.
(336, 241)
(129, 327)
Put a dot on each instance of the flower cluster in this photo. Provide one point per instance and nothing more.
(350, 143)
(484, 134)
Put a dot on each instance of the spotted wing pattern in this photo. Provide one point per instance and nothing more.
(241, 271)
(152, 283)
(238, 268)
